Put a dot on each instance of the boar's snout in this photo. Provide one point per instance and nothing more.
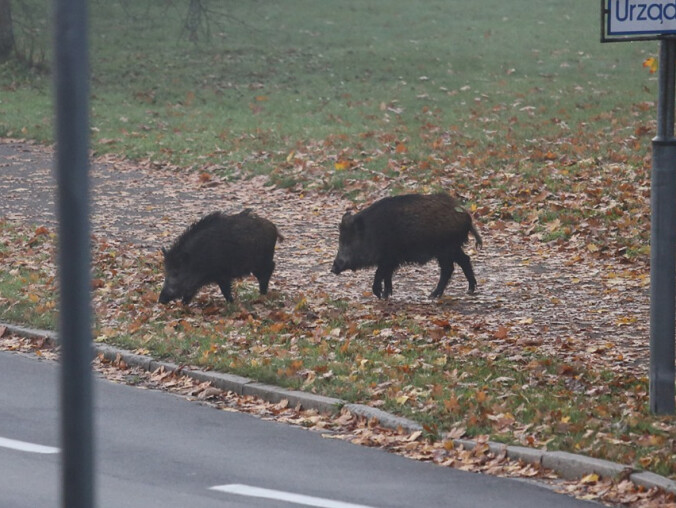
(164, 297)
(337, 267)
(341, 264)
(168, 294)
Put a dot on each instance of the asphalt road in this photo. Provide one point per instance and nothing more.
(155, 449)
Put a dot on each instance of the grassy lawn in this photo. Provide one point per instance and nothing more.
(367, 82)
(28, 292)
(355, 96)
(515, 106)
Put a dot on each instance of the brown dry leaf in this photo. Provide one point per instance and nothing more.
(501, 332)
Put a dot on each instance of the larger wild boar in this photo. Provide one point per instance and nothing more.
(217, 249)
(412, 228)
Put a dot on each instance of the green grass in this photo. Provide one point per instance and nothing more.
(350, 96)
(28, 294)
(22, 310)
(274, 76)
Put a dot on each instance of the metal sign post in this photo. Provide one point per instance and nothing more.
(663, 240)
(72, 166)
(631, 20)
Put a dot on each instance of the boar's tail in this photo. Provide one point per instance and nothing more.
(477, 236)
(280, 236)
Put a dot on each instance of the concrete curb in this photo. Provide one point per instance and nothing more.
(568, 465)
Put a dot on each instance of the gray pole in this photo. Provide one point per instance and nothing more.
(72, 166)
(663, 240)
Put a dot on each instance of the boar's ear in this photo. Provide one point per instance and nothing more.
(359, 224)
(346, 221)
(354, 222)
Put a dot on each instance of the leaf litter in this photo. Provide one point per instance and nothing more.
(571, 316)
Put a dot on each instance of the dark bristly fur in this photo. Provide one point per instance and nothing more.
(217, 249)
(412, 228)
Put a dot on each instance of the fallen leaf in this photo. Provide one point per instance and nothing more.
(589, 479)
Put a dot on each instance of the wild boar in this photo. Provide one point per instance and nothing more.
(411, 228)
(217, 249)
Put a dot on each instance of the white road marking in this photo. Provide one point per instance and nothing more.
(280, 495)
(26, 447)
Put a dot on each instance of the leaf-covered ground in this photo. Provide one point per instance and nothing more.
(552, 351)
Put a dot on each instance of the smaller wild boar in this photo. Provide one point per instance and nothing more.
(217, 249)
(412, 228)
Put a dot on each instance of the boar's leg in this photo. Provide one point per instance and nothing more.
(446, 265)
(263, 277)
(226, 289)
(388, 283)
(463, 260)
(383, 274)
(377, 284)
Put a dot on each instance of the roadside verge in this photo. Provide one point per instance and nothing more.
(567, 465)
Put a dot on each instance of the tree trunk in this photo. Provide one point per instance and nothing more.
(6, 30)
